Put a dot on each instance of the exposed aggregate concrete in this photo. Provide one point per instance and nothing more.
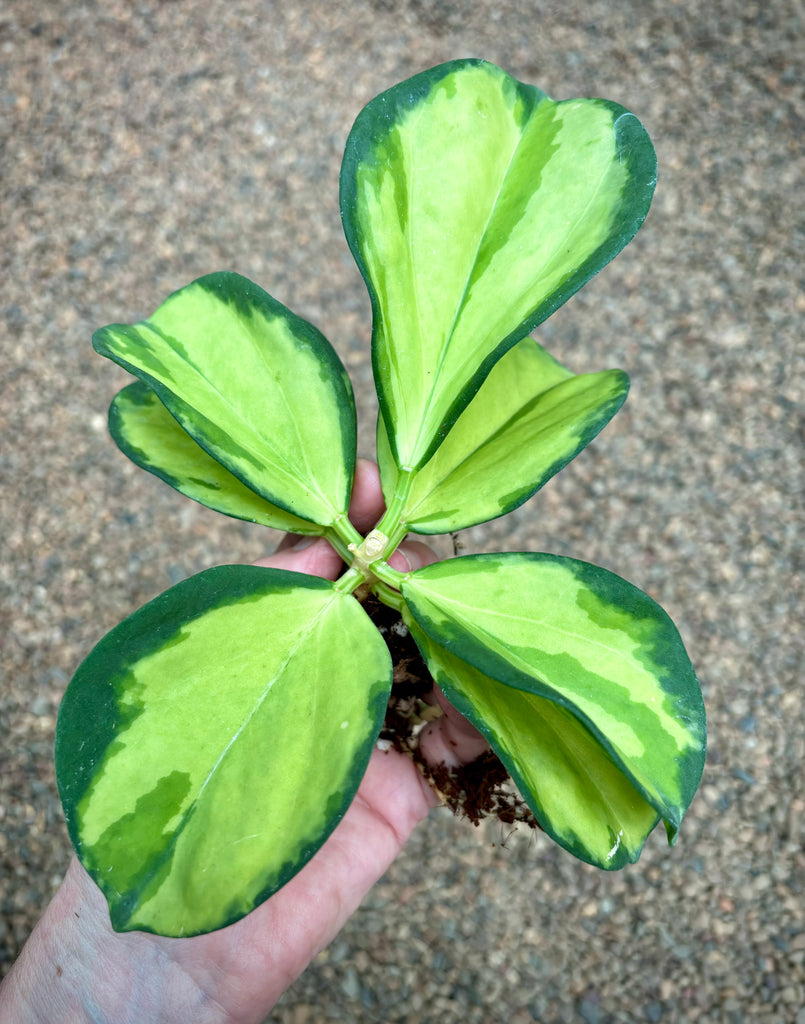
(145, 144)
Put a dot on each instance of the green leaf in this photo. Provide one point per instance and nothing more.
(259, 389)
(587, 641)
(211, 742)
(146, 432)
(530, 417)
(475, 206)
(577, 794)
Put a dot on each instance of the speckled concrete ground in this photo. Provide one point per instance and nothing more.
(145, 144)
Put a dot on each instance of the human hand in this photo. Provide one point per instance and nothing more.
(75, 968)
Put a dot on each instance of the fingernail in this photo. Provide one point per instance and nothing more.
(302, 542)
(410, 563)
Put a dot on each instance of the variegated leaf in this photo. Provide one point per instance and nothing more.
(260, 390)
(211, 742)
(475, 206)
(578, 795)
(589, 642)
(145, 431)
(530, 417)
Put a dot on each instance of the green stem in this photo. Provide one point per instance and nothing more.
(340, 535)
(345, 539)
(338, 544)
(391, 577)
(390, 523)
(350, 581)
(388, 595)
(345, 534)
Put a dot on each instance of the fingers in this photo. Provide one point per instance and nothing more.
(411, 555)
(451, 739)
(366, 506)
(314, 556)
(311, 555)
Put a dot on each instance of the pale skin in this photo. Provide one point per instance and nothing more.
(76, 970)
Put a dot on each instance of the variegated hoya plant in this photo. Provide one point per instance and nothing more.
(211, 742)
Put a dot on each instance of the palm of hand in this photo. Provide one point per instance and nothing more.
(238, 973)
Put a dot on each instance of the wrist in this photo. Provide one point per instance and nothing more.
(77, 970)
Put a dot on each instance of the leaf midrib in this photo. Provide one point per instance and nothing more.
(264, 441)
(167, 851)
(279, 672)
(311, 477)
(516, 420)
(470, 280)
(497, 643)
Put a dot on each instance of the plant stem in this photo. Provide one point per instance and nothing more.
(388, 595)
(350, 581)
(337, 543)
(390, 524)
(390, 577)
(347, 542)
(344, 535)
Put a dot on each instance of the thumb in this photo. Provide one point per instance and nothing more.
(411, 556)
